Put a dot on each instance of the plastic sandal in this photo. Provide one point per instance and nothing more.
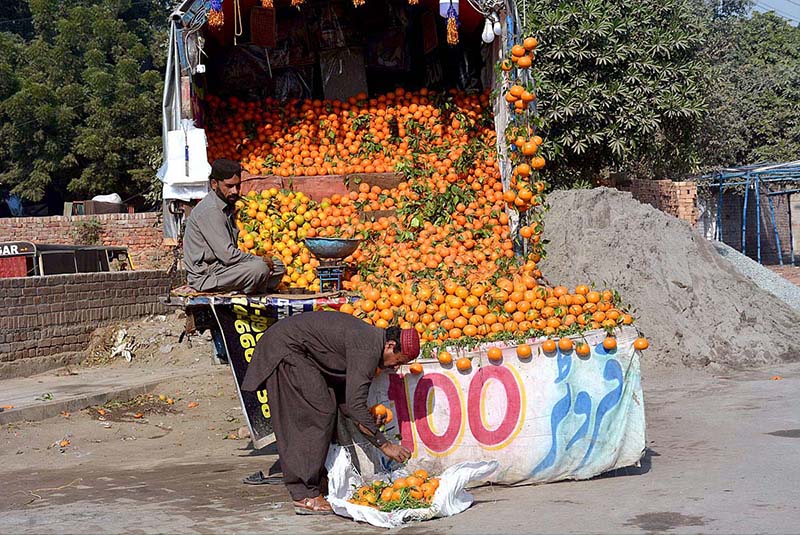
(259, 479)
(313, 506)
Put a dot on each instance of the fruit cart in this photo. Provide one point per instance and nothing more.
(444, 183)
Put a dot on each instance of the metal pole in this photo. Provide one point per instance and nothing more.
(744, 215)
(791, 232)
(719, 213)
(784, 192)
(758, 218)
(775, 230)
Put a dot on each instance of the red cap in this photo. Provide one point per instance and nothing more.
(409, 341)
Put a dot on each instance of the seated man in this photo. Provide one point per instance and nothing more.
(213, 260)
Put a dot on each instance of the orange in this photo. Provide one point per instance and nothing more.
(530, 43)
(400, 483)
(445, 358)
(524, 351)
(378, 410)
(415, 368)
(640, 344)
(464, 364)
(414, 481)
(583, 349)
(565, 344)
(549, 346)
(495, 354)
(610, 343)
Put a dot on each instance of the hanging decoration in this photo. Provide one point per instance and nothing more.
(267, 3)
(237, 21)
(359, 3)
(216, 19)
(413, 2)
(452, 25)
(446, 6)
(488, 33)
(298, 3)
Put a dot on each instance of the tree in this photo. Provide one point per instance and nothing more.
(754, 112)
(80, 101)
(620, 86)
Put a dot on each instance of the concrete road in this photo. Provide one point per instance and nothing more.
(722, 458)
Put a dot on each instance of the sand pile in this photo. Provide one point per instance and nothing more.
(691, 303)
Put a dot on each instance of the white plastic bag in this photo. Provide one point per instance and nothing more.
(450, 497)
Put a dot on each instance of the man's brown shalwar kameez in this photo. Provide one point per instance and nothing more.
(314, 363)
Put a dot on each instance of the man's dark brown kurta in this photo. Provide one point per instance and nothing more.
(312, 364)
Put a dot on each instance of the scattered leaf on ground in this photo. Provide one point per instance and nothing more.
(193, 404)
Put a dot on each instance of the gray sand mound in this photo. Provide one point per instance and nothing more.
(764, 277)
(691, 303)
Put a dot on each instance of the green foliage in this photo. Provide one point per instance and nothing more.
(754, 113)
(620, 86)
(80, 99)
(87, 232)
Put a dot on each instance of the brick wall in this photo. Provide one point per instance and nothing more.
(675, 198)
(43, 317)
(141, 233)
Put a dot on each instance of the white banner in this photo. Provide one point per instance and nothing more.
(546, 418)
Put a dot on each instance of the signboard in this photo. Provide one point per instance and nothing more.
(243, 321)
(547, 418)
(17, 248)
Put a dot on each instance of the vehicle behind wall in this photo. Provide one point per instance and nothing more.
(26, 259)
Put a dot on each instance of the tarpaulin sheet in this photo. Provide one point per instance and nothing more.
(547, 418)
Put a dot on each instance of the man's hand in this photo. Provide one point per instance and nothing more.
(380, 419)
(270, 263)
(396, 452)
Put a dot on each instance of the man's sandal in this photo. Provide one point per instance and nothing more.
(313, 506)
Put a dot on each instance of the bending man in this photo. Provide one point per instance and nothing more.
(314, 364)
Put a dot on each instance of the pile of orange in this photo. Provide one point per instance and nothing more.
(274, 223)
(440, 256)
(414, 491)
(360, 135)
